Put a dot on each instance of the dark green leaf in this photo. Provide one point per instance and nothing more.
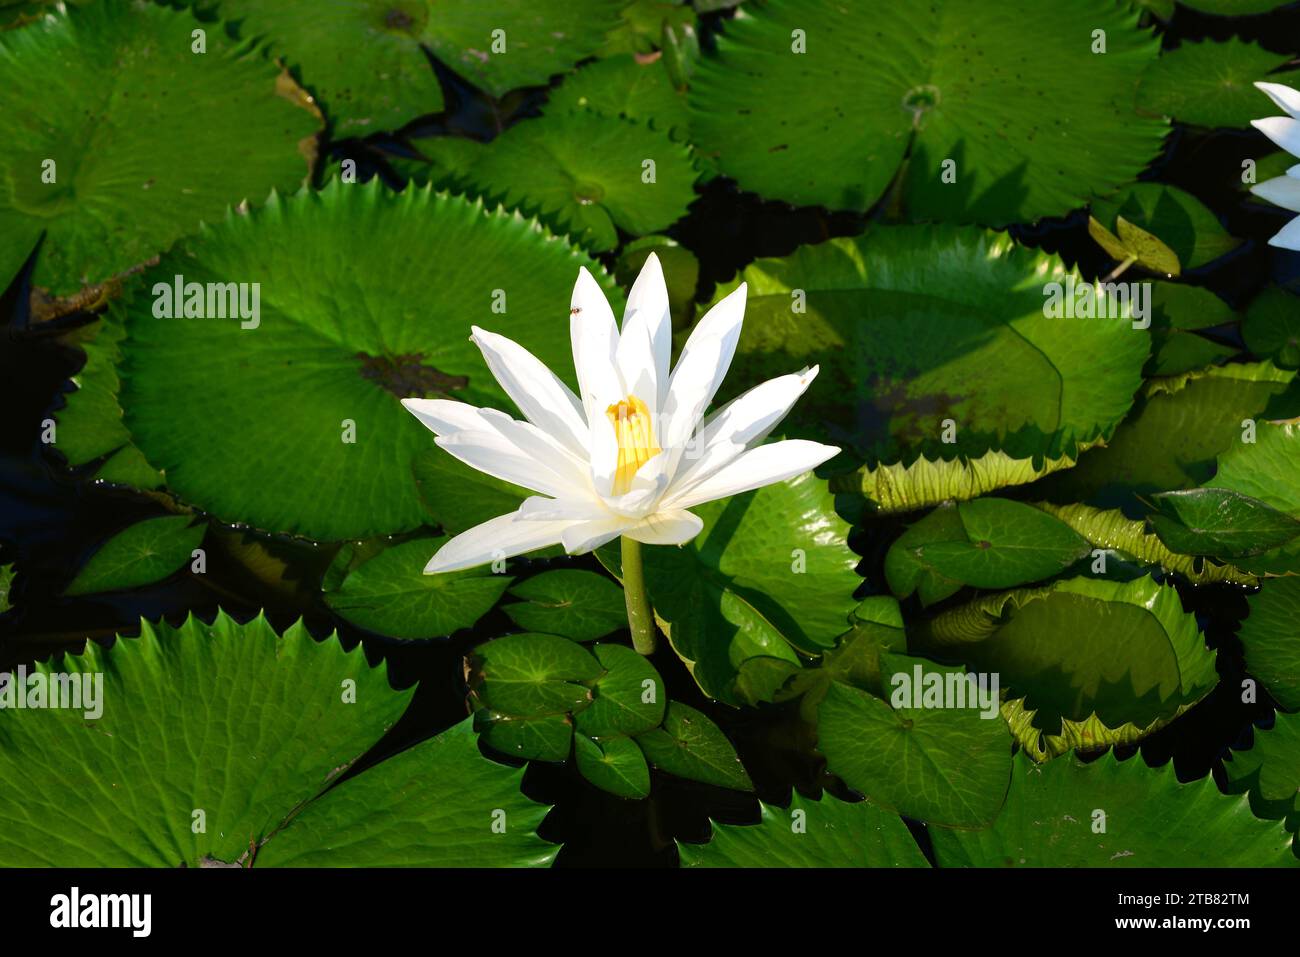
(140, 554)
(577, 604)
(691, 746)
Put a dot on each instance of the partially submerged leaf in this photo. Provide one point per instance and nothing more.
(577, 604)
(691, 746)
(139, 554)
(1270, 638)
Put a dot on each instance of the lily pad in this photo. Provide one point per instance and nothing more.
(138, 162)
(459, 497)
(1134, 657)
(349, 324)
(1272, 327)
(691, 746)
(530, 675)
(1270, 770)
(1176, 217)
(987, 543)
(1269, 639)
(1210, 84)
(942, 765)
(1265, 470)
(389, 594)
(627, 86)
(1111, 813)
(1220, 522)
(770, 572)
(613, 764)
(571, 602)
(548, 737)
(582, 173)
(945, 84)
(629, 698)
(937, 342)
(138, 555)
(823, 833)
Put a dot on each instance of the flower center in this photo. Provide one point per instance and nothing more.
(636, 441)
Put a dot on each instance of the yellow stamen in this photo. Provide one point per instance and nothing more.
(636, 440)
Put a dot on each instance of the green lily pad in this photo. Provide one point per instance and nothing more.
(1272, 327)
(458, 497)
(613, 764)
(584, 174)
(1134, 657)
(438, 804)
(946, 83)
(1220, 522)
(823, 833)
(389, 594)
(1210, 84)
(1177, 311)
(174, 139)
(1172, 437)
(1265, 470)
(1112, 531)
(770, 572)
(349, 324)
(1131, 245)
(624, 85)
(548, 737)
(643, 25)
(530, 675)
(691, 746)
(1054, 815)
(89, 426)
(140, 554)
(1176, 217)
(176, 736)
(1234, 8)
(1268, 638)
(918, 326)
(571, 602)
(627, 699)
(942, 765)
(1270, 770)
(987, 543)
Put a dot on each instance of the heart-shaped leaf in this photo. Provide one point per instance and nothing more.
(139, 554)
(571, 602)
(613, 764)
(691, 746)
(530, 675)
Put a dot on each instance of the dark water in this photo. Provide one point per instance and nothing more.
(51, 519)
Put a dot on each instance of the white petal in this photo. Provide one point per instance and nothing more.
(603, 455)
(647, 488)
(757, 467)
(496, 455)
(593, 335)
(444, 416)
(538, 509)
(1294, 170)
(1280, 191)
(1285, 97)
(1283, 131)
(636, 362)
(583, 537)
(502, 537)
(739, 425)
(674, 527)
(542, 448)
(544, 400)
(647, 305)
(701, 368)
(1289, 237)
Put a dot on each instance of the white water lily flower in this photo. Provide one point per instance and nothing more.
(629, 455)
(1283, 191)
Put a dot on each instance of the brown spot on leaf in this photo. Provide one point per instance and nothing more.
(406, 375)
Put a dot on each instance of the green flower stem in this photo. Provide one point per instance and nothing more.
(640, 620)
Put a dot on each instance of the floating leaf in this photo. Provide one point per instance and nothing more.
(457, 496)
(1270, 770)
(1210, 84)
(571, 602)
(943, 765)
(1131, 245)
(389, 594)
(627, 699)
(939, 342)
(348, 326)
(1177, 218)
(771, 571)
(1269, 640)
(613, 764)
(1134, 657)
(1265, 470)
(823, 833)
(529, 675)
(140, 554)
(582, 173)
(624, 85)
(545, 738)
(1272, 327)
(691, 746)
(1053, 813)
(174, 138)
(923, 99)
(987, 543)
(438, 804)
(89, 426)
(1220, 522)
(177, 736)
